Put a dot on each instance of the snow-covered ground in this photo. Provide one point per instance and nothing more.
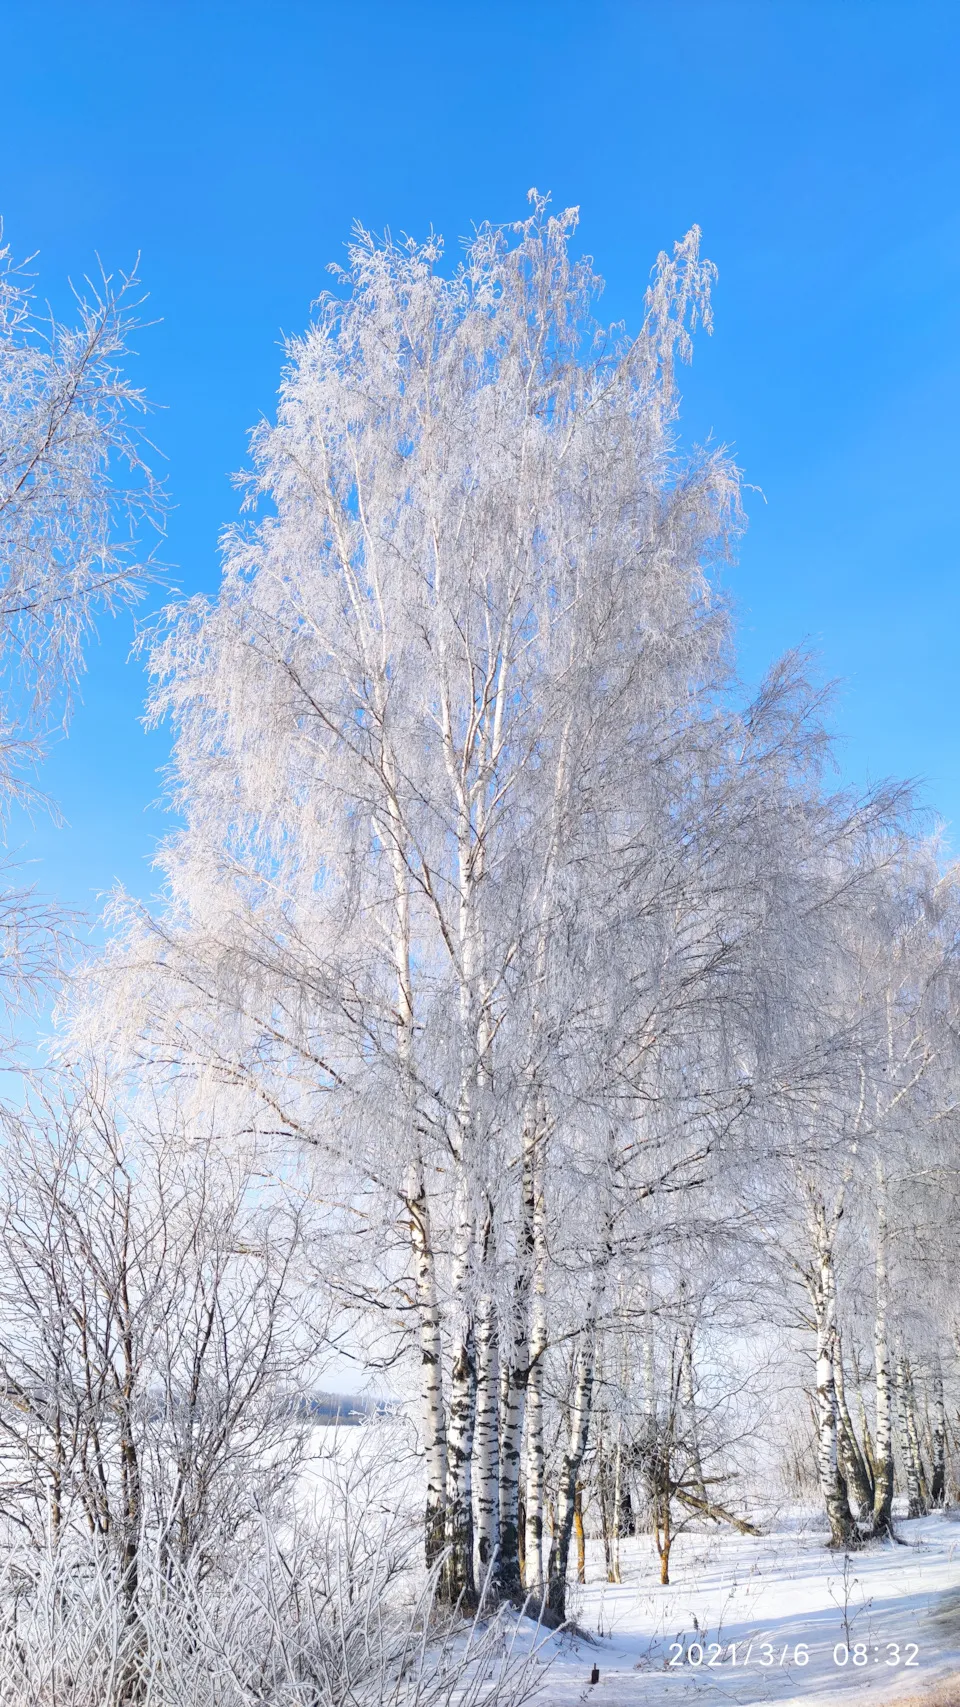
(773, 1621)
(754, 1608)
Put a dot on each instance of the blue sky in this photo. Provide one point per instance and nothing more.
(815, 143)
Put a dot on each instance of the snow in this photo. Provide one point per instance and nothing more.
(785, 1588)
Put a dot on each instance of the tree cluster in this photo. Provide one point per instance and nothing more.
(585, 993)
(524, 1009)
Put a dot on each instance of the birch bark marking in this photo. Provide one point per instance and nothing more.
(487, 1427)
(130, 1476)
(533, 1540)
(431, 1367)
(883, 1443)
(832, 1485)
(458, 1573)
(514, 1382)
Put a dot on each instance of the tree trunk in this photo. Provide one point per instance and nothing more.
(533, 1489)
(458, 1580)
(916, 1446)
(459, 1585)
(662, 1525)
(416, 1203)
(578, 1531)
(487, 1445)
(513, 1385)
(853, 1470)
(869, 1456)
(832, 1485)
(604, 1499)
(883, 1441)
(617, 1501)
(916, 1480)
(431, 1369)
(689, 1400)
(938, 1475)
(533, 1493)
(852, 1462)
(569, 1475)
(513, 1391)
(648, 1445)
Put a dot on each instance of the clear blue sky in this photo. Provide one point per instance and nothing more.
(815, 143)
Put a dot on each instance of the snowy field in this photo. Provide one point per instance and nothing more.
(754, 1608)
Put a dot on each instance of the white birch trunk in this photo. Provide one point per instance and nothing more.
(513, 1387)
(617, 1498)
(533, 1539)
(832, 1487)
(488, 1445)
(916, 1500)
(649, 1383)
(431, 1369)
(648, 1456)
(458, 1570)
(883, 1437)
(514, 1382)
